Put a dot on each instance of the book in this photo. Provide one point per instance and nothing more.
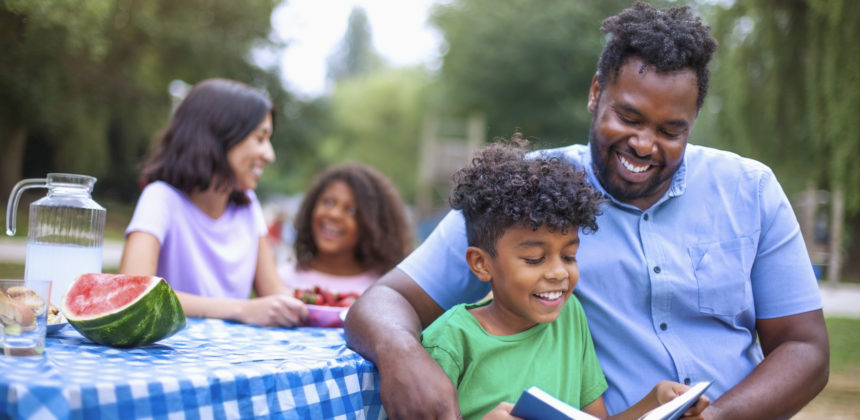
(536, 404)
(674, 409)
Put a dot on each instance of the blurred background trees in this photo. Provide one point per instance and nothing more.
(84, 86)
(85, 83)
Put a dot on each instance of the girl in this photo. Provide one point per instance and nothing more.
(350, 229)
(198, 223)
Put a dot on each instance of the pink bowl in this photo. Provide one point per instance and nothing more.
(325, 316)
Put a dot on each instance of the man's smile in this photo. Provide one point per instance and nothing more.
(633, 169)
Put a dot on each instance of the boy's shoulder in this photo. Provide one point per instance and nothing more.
(445, 330)
(457, 316)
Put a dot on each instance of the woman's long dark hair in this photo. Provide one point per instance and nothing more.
(191, 152)
(384, 234)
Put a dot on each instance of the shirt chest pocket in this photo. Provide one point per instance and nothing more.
(722, 271)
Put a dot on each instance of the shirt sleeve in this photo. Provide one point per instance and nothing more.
(151, 214)
(446, 360)
(783, 282)
(439, 266)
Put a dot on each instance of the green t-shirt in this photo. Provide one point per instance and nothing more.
(557, 357)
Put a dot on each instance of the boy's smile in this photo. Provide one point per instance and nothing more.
(532, 275)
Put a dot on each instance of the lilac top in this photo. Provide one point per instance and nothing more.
(200, 255)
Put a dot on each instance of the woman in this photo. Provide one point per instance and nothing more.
(198, 222)
(350, 229)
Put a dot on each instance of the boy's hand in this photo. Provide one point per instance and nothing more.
(666, 391)
(501, 412)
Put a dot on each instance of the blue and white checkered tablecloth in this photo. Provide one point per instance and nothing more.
(211, 369)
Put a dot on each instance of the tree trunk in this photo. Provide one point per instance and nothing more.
(11, 159)
(837, 205)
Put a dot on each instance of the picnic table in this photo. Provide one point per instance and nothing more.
(210, 369)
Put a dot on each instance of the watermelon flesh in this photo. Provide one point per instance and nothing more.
(121, 310)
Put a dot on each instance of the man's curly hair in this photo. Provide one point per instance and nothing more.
(668, 39)
(384, 232)
(502, 188)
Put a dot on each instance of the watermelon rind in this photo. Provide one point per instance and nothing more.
(155, 315)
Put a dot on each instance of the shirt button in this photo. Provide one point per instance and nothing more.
(657, 269)
(645, 216)
(686, 381)
(663, 326)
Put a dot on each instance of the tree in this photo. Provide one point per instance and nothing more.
(787, 88)
(788, 79)
(376, 119)
(355, 54)
(524, 65)
(85, 83)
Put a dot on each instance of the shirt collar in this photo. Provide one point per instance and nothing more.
(676, 188)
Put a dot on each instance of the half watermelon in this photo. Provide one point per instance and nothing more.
(120, 310)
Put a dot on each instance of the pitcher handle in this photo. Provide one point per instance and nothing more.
(15, 195)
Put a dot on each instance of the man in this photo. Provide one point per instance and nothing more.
(698, 270)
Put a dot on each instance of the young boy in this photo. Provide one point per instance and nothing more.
(522, 220)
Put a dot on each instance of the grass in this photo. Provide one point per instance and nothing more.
(844, 343)
(9, 270)
(840, 399)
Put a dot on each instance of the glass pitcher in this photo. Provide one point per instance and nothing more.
(65, 233)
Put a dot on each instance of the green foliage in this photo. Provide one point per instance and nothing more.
(355, 54)
(296, 141)
(844, 342)
(12, 270)
(788, 81)
(86, 82)
(377, 120)
(525, 65)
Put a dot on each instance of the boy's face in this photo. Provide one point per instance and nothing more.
(532, 275)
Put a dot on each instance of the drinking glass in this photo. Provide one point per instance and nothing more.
(24, 309)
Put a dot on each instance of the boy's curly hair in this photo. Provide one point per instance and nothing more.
(668, 39)
(384, 233)
(502, 188)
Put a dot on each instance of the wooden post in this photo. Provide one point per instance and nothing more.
(427, 164)
(807, 207)
(443, 151)
(837, 207)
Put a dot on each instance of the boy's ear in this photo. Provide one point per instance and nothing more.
(479, 261)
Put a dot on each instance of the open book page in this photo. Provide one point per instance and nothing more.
(674, 409)
(535, 404)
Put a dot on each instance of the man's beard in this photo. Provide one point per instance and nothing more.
(617, 187)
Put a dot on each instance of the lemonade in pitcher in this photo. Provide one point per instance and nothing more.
(65, 232)
(60, 264)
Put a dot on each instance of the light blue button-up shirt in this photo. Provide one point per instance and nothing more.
(672, 292)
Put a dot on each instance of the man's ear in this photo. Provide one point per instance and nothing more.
(593, 94)
(479, 261)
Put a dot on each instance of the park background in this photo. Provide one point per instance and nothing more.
(85, 87)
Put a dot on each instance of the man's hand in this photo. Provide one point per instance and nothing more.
(414, 387)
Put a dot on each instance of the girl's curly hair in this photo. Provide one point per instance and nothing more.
(504, 188)
(384, 233)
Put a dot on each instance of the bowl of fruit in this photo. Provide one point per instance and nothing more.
(326, 308)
